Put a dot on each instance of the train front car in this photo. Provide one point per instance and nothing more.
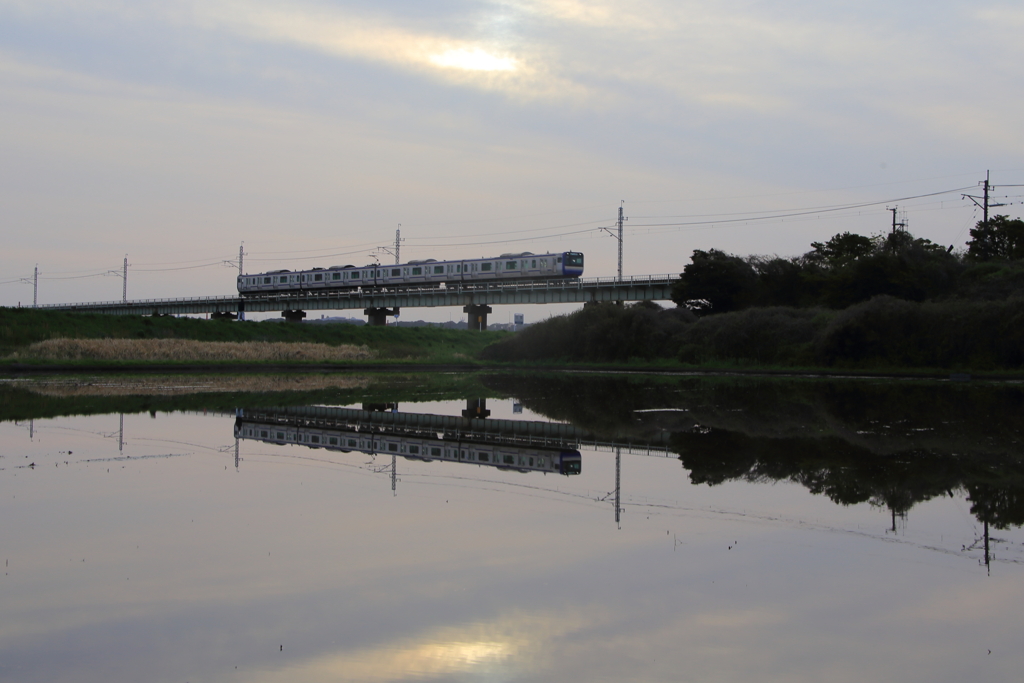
(572, 264)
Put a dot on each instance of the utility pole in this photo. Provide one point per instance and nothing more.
(984, 203)
(397, 249)
(902, 225)
(123, 274)
(620, 257)
(241, 255)
(618, 235)
(35, 287)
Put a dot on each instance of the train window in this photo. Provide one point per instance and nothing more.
(332, 441)
(417, 271)
(280, 435)
(392, 446)
(395, 272)
(266, 280)
(533, 263)
(458, 268)
(574, 259)
(510, 265)
(284, 278)
(353, 443)
(303, 278)
(264, 435)
(435, 451)
(314, 439)
(335, 276)
(414, 450)
(483, 457)
(558, 260)
(509, 459)
(485, 266)
(318, 277)
(531, 461)
(378, 273)
(438, 269)
(543, 263)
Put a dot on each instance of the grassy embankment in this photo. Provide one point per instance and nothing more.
(31, 337)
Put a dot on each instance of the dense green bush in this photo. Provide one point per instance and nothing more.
(884, 332)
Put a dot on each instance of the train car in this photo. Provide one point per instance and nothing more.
(425, 448)
(524, 266)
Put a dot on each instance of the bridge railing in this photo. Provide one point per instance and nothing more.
(475, 287)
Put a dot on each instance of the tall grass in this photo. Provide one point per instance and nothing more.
(187, 350)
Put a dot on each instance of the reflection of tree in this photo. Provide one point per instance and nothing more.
(890, 444)
(1000, 506)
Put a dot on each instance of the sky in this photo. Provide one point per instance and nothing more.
(172, 132)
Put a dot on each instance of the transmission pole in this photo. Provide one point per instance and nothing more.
(397, 249)
(620, 247)
(124, 284)
(618, 235)
(241, 255)
(35, 287)
(984, 203)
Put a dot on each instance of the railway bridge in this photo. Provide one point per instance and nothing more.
(377, 304)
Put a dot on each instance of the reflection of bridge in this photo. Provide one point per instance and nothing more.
(519, 433)
(475, 299)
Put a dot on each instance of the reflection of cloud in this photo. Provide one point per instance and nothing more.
(514, 645)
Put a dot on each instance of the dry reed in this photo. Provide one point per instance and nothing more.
(188, 350)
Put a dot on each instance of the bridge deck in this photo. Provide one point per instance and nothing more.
(633, 288)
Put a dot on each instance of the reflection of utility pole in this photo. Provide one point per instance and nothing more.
(31, 429)
(987, 565)
(236, 453)
(394, 476)
(618, 471)
(120, 436)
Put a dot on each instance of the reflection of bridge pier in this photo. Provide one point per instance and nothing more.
(476, 408)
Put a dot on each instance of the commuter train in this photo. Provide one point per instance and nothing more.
(425, 448)
(505, 268)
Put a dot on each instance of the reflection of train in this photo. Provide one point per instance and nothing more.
(414, 447)
(507, 267)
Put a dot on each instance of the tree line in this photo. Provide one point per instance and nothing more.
(893, 301)
(851, 268)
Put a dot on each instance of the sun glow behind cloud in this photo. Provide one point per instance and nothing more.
(473, 60)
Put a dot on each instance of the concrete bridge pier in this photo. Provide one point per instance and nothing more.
(293, 316)
(477, 316)
(378, 316)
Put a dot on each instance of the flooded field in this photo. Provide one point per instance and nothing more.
(510, 528)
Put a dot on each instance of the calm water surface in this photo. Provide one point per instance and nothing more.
(709, 530)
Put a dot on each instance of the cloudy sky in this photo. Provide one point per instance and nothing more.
(173, 131)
